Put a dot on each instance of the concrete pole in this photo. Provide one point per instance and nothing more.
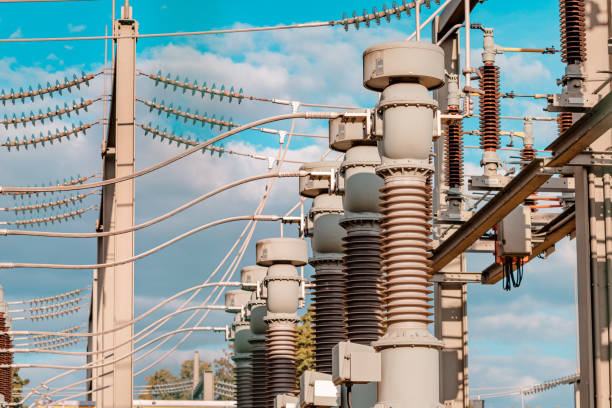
(196, 371)
(115, 291)
(209, 386)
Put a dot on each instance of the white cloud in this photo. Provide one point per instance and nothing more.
(16, 34)
(76, 28)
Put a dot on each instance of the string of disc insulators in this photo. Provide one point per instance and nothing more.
(386, 13)
(52, 336)
(454, 150)
(52, 307)
(573, 33)
(163, 135)
(552, 384)
(50, 115)
(50, 299)
(51, 315)
(52, 219)
(489, 107)
(49, 205)
(170, 110)
(52, 344)
(58, 135)
(50, 89)
(66, 183)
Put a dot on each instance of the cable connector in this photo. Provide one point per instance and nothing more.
(3, 232)
(7, 265)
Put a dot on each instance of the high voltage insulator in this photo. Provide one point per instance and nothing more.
(46, 308)
(489, 107)
(51, 115)
(58, 135)
(386, 13)
(52, 315)
(454, 146)
(194, 87)
(65, 183)
(49, 205)
(195, 117)
(50, 89)
(51, 336)
(6, 359)
(59, 218)
(179, 140)
(573, 34)
(52, 344)
(564, 122)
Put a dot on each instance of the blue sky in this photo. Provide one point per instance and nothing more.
(516, 338)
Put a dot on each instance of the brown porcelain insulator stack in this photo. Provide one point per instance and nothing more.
(243, 383)
(454, 150)
(6, 374)
(364, 292)
(573, 36)
(329, 280)
(406, 249)
(259, 390)
(280, 344)
(564, 121)
(489, 107)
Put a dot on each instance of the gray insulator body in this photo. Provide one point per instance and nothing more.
(259, 382)
(243, 369)
(361, 183)
(490, 50)
(326, 233)
(409, 353)
(528, 132)
(283, 289)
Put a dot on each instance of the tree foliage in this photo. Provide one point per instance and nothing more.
(224, 370)
(160, 377)
(305, 352)
(18, 384)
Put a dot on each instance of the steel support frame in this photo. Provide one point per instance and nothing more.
(114, 297)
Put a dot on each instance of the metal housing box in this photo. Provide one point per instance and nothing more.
(350, 129)
(317, 389)
(355, 363)
(514, 233)
(286, 401)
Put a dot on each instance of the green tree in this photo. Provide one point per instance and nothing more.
(305, 343)
(18, 384)
(224, 370)
(160, 377)
(187, 374)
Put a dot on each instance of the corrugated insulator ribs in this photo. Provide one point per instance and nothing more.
(364, 292)
(6, 374)
(573, 36)
(489, 107)
(259, 387)
(454, 150)
(243, 381)
(564, 121)
(406, 251)
(281, 342)
(329, 321)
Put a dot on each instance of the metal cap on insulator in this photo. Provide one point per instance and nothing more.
(361, 183)
(250, 275)
(350, 129)
(490, 50)
(292, 251)
(403, 61)
(453, 97)
(235, 300)
(313, 185)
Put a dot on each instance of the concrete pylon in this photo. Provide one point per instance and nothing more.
(405, 72)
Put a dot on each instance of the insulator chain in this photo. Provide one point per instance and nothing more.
(52, 344)
(46, 308)
(195, 88)
(386, 13)
(53, 315)
(50, 89)
(49, 299)
(66, 201)
(66, 183)
(163, 135)
(195, 117)
(55, 218)
(58, 135)
(50, 115)
(51, 336)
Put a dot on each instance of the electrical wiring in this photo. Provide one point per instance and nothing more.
(50, 336)
(50, 115)
(52, 315)
(49, 299)
(155, 220)
(222, 92)
(242, 251)
(72, 182)
(54, 306)
(188, 142)
(277, 118)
